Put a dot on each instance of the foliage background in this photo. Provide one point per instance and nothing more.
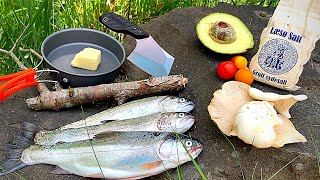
(48, 16)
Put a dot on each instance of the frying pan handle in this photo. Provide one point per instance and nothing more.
(119, 24)
(16, 82)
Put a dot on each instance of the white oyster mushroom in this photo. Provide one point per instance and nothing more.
(282, 103)
(254, 123)
(286, 133)
(225, 103)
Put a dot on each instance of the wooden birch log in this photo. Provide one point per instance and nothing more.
(65, 98)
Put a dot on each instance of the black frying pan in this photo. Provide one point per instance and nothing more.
(59, 49)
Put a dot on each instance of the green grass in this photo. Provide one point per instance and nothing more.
(48, 16)
(15, 16)
(238, 159)
(199, 170)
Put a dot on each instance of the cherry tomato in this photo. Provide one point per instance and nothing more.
(226, 70)
(234, 58)
(240, 62)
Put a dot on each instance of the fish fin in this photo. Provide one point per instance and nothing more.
(16, 168)
(58, 170)
(107, 121)
(134, 178)
(151, 165)
(106, 134)
(131, 178)
(15, 147)
(98, 175)
(103, 135)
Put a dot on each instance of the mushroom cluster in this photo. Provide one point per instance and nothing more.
(256, 117)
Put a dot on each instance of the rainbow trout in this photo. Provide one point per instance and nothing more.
(116, 155)
(158, 122)
(137, 108)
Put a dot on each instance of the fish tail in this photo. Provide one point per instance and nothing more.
(15, 148)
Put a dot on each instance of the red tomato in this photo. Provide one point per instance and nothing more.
(226, 70)
(234, 59)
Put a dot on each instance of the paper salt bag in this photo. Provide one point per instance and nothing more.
(286, 43)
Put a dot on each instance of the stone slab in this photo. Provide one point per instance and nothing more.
(175, 32)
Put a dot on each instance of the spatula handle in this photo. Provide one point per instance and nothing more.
(119, 24)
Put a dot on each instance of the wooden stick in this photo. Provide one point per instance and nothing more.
(19, 38)
(15, 58)
(64, 98)
(10, 53)
(32, 51)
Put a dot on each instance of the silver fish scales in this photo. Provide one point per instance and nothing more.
(157, 122)
(117, 155)
(137, 108)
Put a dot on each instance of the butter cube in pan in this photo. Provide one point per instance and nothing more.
(88, 58)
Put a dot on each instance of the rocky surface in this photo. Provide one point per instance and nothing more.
(175, 32)
(222, 157)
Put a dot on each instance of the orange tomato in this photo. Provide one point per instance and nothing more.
(240, 62)
(245, 76)
(234, 59)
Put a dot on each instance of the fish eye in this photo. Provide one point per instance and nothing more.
(188, 143)
(181, 115)
(182, 100)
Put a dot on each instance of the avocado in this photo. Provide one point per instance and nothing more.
(224, 33)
